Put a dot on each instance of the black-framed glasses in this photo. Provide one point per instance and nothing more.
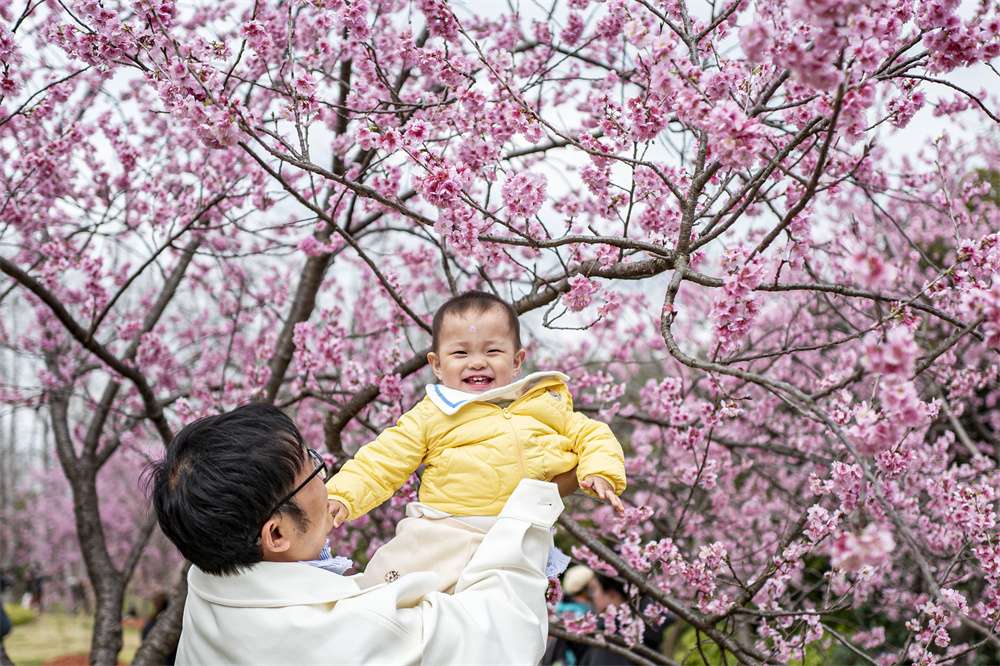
(320, 471)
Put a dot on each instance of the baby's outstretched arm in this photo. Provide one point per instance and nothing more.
(605, 491)
(338, 511)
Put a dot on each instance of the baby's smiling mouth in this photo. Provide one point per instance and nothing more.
(478, 380)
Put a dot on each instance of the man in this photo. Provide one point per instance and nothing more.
(606, 591)
(244, 500)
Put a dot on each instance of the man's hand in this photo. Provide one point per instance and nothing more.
(567, 483)
(605, 491)
(339, 511)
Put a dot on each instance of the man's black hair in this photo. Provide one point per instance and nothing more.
(478, 302)
(219, 478)
(652, 634)
(609, 584)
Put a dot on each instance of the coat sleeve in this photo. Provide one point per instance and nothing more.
(380, 468)
(597, 449)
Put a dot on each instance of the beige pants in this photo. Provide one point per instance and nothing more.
(444, 545)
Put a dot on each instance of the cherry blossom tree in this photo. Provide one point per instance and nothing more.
(793, 327)
(52, 542)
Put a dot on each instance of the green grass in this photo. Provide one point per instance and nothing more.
(51, 635)
(686, 651)
(19, 614)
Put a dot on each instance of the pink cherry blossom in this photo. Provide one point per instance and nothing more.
(737, 140)
(869, 547)
(581, 293)
(871, 270)
(892, 353)
(524, 194)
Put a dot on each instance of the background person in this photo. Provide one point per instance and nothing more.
(576, 593)
(160, 601)
(5, 623)
(6, 584)
(244, 501)
(35, 579)
(79, 601)
(604, 593)
(575, 603)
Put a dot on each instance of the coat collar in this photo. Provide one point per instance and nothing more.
(450, 401)
(272, 584)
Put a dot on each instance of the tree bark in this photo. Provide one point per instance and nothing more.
(162, 640)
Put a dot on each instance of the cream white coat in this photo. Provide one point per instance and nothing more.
(292, 613)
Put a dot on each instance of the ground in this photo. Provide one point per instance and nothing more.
(57, 639)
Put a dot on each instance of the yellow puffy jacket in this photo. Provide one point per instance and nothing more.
(476, 457)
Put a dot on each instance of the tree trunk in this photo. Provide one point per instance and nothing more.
(109, 587)
(162, 640)
(107, 640)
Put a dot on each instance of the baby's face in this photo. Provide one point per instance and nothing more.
(476, 352)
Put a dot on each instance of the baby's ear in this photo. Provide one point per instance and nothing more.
(435, 364)
(519, 359)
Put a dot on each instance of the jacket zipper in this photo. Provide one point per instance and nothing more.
(517, 442)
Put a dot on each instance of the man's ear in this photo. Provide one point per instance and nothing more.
(435, 363)
(273, 539)
(518, 360)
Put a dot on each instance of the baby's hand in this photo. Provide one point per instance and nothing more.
(605, 491)
(338, 511)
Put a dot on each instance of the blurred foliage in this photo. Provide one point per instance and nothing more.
(18, 614)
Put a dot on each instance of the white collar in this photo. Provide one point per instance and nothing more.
(450, 400)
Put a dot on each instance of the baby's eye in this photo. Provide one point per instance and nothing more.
(458, 353)
(495, 351)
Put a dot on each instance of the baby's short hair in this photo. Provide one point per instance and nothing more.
(478, 302)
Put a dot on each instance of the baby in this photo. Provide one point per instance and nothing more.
(478, 433)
